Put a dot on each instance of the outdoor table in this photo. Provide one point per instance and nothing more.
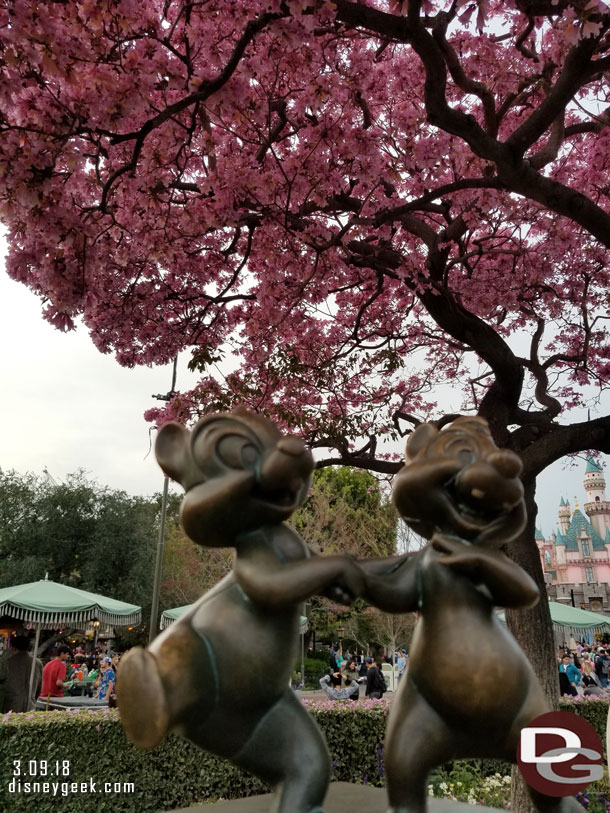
(81, 685)
(64, 703)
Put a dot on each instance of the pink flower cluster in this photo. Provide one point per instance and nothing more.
(329, 206)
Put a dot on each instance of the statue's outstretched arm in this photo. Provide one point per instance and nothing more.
(380, 566)
(392, 588)
(509, 585)
(271, 583)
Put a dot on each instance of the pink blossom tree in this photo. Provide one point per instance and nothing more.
(334, 206)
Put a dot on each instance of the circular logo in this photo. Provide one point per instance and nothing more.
(560, 754)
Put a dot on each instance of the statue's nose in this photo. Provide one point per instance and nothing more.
(506, 463)
(292, 446)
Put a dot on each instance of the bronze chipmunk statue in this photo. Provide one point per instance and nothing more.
(242, 480)
(469, 688)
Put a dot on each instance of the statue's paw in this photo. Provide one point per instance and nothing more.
(141, 699)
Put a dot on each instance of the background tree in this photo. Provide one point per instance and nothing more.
(347, 511)
(79, 533)
(372, 630)
(189, 570)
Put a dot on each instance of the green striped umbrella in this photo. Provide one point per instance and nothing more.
(169, 616)
(54, 605)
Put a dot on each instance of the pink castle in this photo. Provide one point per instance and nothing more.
(576, 560)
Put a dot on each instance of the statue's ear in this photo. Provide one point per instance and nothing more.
(172, 450)
(420, 438)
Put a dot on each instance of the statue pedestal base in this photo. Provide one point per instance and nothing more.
(343, 797)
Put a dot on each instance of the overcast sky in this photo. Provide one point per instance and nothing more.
(65, 406)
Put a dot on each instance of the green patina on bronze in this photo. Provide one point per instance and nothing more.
(469, 688)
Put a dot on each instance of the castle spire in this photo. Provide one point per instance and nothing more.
(597, 506)
(564, 516)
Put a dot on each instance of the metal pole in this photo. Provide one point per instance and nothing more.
(154, 612)
(33, 669)
(303, 654)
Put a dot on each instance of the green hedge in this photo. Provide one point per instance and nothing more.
(177, 774)
(314, 670)
(593, 710)
(174, 775)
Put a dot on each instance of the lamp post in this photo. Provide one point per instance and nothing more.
(340, 637)
(96, 628)
(154, 609)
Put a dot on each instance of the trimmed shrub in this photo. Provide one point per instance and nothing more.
(91, 747)
(593, 709)
(314, 670)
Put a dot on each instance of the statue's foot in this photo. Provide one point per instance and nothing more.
(141, 699)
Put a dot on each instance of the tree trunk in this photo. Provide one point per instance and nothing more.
(533, 630)
(42, 648)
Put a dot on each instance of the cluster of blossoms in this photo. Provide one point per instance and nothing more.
(333, 205)
(381, 705)
(492, 791)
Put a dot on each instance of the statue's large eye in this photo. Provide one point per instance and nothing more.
(461, 450)
(237, 452)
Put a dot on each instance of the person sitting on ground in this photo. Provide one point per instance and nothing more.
(351, 675)
(590, 681)
(351, 671)
(331, 684)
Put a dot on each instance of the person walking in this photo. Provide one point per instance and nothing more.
(15, 671)
(375, 684)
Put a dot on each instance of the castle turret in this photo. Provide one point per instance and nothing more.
(597, 507)
(564, 516)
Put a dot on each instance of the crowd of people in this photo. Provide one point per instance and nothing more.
(66, 674)
(348, 672)
(584, 670)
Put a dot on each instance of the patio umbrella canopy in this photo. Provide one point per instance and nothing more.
(50, 605)
(169, 616)
(573, 621)
(576, 621)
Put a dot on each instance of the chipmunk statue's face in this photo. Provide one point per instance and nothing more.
(457, 481)
(239, 473)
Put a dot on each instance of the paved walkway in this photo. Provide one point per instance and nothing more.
(343, 797)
